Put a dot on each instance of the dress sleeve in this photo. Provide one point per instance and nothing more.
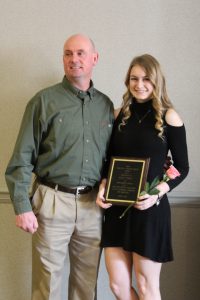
(176, 139)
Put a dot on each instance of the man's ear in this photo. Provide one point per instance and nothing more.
(95, 58)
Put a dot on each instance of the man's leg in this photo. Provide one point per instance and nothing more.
(84, 250)
(56, 212)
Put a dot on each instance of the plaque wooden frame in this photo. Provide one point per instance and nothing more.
(126, 179)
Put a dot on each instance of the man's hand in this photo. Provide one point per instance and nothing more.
(27, 221)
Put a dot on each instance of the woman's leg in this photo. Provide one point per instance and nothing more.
(119, 267)
(147, 274)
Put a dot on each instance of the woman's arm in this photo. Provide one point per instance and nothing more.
(176, 139)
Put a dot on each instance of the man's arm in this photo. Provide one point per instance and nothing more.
(19, 171)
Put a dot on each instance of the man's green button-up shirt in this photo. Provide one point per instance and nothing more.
(63, 138)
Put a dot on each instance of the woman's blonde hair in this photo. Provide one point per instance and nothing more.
(160, 99)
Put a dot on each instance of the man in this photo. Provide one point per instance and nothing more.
(63, 140)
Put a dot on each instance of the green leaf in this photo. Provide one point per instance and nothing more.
(154, 183)
(143, 193)
(146, 187)
(165, 178)
(154, 191)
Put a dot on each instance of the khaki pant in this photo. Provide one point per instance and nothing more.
(67, 223)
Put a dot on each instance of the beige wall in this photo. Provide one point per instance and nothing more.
(32, 34)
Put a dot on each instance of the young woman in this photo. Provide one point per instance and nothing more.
(147, 126)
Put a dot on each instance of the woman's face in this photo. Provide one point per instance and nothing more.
(140, 85)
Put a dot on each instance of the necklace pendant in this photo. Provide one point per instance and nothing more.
(140, 120)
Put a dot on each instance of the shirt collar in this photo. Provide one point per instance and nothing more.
(79, 93)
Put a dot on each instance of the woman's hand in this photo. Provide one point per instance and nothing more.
(100, 196)
(146, 201)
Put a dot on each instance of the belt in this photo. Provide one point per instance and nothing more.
(71, 190)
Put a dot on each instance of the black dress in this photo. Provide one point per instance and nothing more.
(146, 232)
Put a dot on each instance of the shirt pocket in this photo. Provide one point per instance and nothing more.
(58, 131)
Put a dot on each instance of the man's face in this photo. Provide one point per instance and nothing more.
(79, 58)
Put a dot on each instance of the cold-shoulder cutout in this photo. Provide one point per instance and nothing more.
(172, 118)
(116, 112)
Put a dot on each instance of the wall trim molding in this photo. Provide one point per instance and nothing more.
(175, 200)
(4, 197)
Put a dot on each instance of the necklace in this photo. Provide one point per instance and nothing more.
(140, 119)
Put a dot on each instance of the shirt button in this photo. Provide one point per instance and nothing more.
(87, 141)
(86, 160)
(86, 122)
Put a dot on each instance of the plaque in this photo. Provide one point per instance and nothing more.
(126, 179)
